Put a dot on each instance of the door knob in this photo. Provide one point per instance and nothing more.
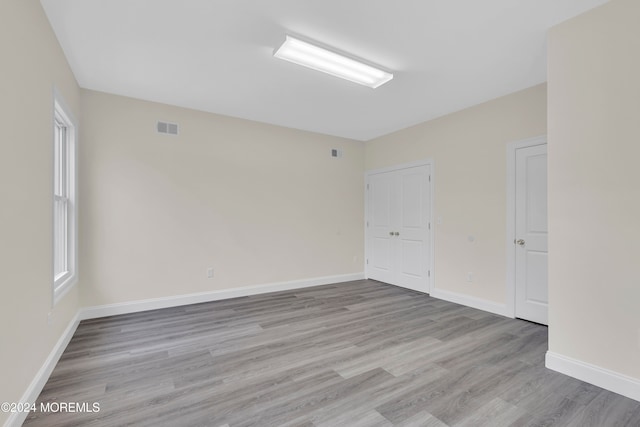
(391, 233)
(520, 242)
(397, 233)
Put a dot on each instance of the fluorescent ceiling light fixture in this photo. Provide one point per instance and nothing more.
(317, 58)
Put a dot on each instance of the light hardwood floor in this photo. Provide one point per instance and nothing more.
(353, 354)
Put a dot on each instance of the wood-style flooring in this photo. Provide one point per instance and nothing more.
(352, 354)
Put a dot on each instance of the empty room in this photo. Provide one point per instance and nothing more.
(320, 213)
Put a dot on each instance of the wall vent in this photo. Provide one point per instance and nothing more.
(336, 152)
(168, 128)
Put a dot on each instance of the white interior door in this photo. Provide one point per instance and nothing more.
(531, 234)
(413, 227)
(380, 230)
(398, 227)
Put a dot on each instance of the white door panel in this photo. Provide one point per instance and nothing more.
(411, 198)
(411, 263)
(381, 193)
(382, 249)
(536, 191)
(531, 234)
(536, 275)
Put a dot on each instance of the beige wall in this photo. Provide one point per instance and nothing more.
(258, 203)
(32, 64)
(469, 151)
(594, 188)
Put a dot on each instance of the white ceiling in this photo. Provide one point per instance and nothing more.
(217, 55)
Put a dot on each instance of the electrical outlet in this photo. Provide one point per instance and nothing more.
(210, 273)
(470, 276)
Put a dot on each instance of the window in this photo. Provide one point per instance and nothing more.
(64, 201)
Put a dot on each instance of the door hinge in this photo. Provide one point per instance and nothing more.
(367, 223)
(429, 273)
(367, 260)
(429, 226)
(429, 178)
(367, 186)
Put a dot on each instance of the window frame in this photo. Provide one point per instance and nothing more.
(64, 249)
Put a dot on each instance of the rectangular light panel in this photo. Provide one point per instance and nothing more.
(317, 58)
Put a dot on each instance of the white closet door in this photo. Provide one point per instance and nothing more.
(413, 223)
(381, 263)
(398, 227)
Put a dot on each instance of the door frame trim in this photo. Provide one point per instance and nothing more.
(512, 147)
(367, 174)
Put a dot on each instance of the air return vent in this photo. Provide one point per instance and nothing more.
(168, 128)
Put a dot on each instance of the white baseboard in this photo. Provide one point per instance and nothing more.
(469, 301)
(592, 374)
(37, 384)
(178, 300)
